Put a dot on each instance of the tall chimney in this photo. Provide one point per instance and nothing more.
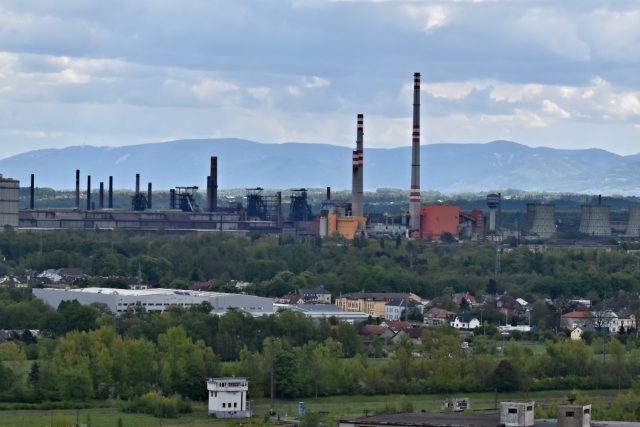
(328, 194)
(137, 183)
(88, 192)
(279, 206)
(357, 186)
(32, 194)
(110, 192)
(78, 189)
(213, 184)
(101, 196)
(149, 194)
(414, 195)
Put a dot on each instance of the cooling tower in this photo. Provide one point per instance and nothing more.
(594, 220)
(9, 202)
(541, 220)
(414, 195)
(633, 226)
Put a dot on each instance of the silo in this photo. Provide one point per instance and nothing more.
(9, 201)
(594, 220)
(633, 226)
(541, 220)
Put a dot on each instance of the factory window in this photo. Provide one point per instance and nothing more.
(569, 414)
(529, 408)
(224, 405)
(235, 404)
(513, 411)
(587, 411)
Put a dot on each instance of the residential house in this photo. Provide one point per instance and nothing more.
(465, 322)
(627, 320)
(394, 309)
(290, 299)
(459, 298)
(316, 295)
(437, 316)
(372, 303)
(569, 321)
(202, 286)
(578, 331)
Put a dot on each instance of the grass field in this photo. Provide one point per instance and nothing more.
(335, 407)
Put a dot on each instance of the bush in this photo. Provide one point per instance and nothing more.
(160, 406)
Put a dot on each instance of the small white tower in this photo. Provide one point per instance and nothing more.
(228, 397)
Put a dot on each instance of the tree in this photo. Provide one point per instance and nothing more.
(505, 377)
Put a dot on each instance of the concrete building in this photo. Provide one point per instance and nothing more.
(541, 220)
(9, 202)
(517, 414)
(574, 415)
(372, 303)
(594, 220)
(326, 311)
(439, 219)
(158, 300)
(228, 397)
(316, 295)
(633, 224)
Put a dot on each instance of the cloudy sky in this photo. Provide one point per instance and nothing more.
(563, 74)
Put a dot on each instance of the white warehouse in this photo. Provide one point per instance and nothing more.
(120, 300)
(228, 397)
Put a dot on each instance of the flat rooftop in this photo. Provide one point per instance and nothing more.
(491, 419)
(147, 292)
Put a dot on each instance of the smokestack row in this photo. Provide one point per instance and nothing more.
(357, 182)
(212, 185)
(414, 195)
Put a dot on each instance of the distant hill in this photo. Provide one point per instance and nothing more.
(449, 168)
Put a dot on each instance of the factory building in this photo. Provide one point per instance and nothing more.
(9, 201)
(371, 303)
(439, 219)
(156, 300)
(541, 220)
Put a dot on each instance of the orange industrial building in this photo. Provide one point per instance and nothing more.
(346, 226)
(439, 219)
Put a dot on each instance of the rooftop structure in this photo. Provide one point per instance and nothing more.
(325, 311)
(158, 300)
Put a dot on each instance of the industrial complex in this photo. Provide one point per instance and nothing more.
(292, 213)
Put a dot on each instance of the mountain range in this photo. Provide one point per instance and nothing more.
(448, 168)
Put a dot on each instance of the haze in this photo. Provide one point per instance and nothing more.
(558, 74)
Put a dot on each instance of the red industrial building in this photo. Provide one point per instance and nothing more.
(439, 219)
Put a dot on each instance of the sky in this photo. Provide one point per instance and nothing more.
(561, 74)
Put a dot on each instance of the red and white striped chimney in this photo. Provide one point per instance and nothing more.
(414, 195)
(357, 187)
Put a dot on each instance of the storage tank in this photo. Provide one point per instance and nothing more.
(9, 201)
(541, 220)
(594, 220)
(633, 226)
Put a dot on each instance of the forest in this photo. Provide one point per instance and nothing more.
(84, 352)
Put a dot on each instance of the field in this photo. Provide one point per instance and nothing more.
(334, 408)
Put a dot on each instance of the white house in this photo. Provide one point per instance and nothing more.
(228, 397)
(466, 322)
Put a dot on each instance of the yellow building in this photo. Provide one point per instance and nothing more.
(371, 303)
(345, 226)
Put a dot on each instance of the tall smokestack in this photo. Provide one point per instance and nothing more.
(149, 195)
(414, 195)
(89, 192)
(32, 194)
(110, 192)
(78, 189)
(101, 196)
(213, 184)
(328, 194)
(357, 186)
(137, 183)
(279, 207)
